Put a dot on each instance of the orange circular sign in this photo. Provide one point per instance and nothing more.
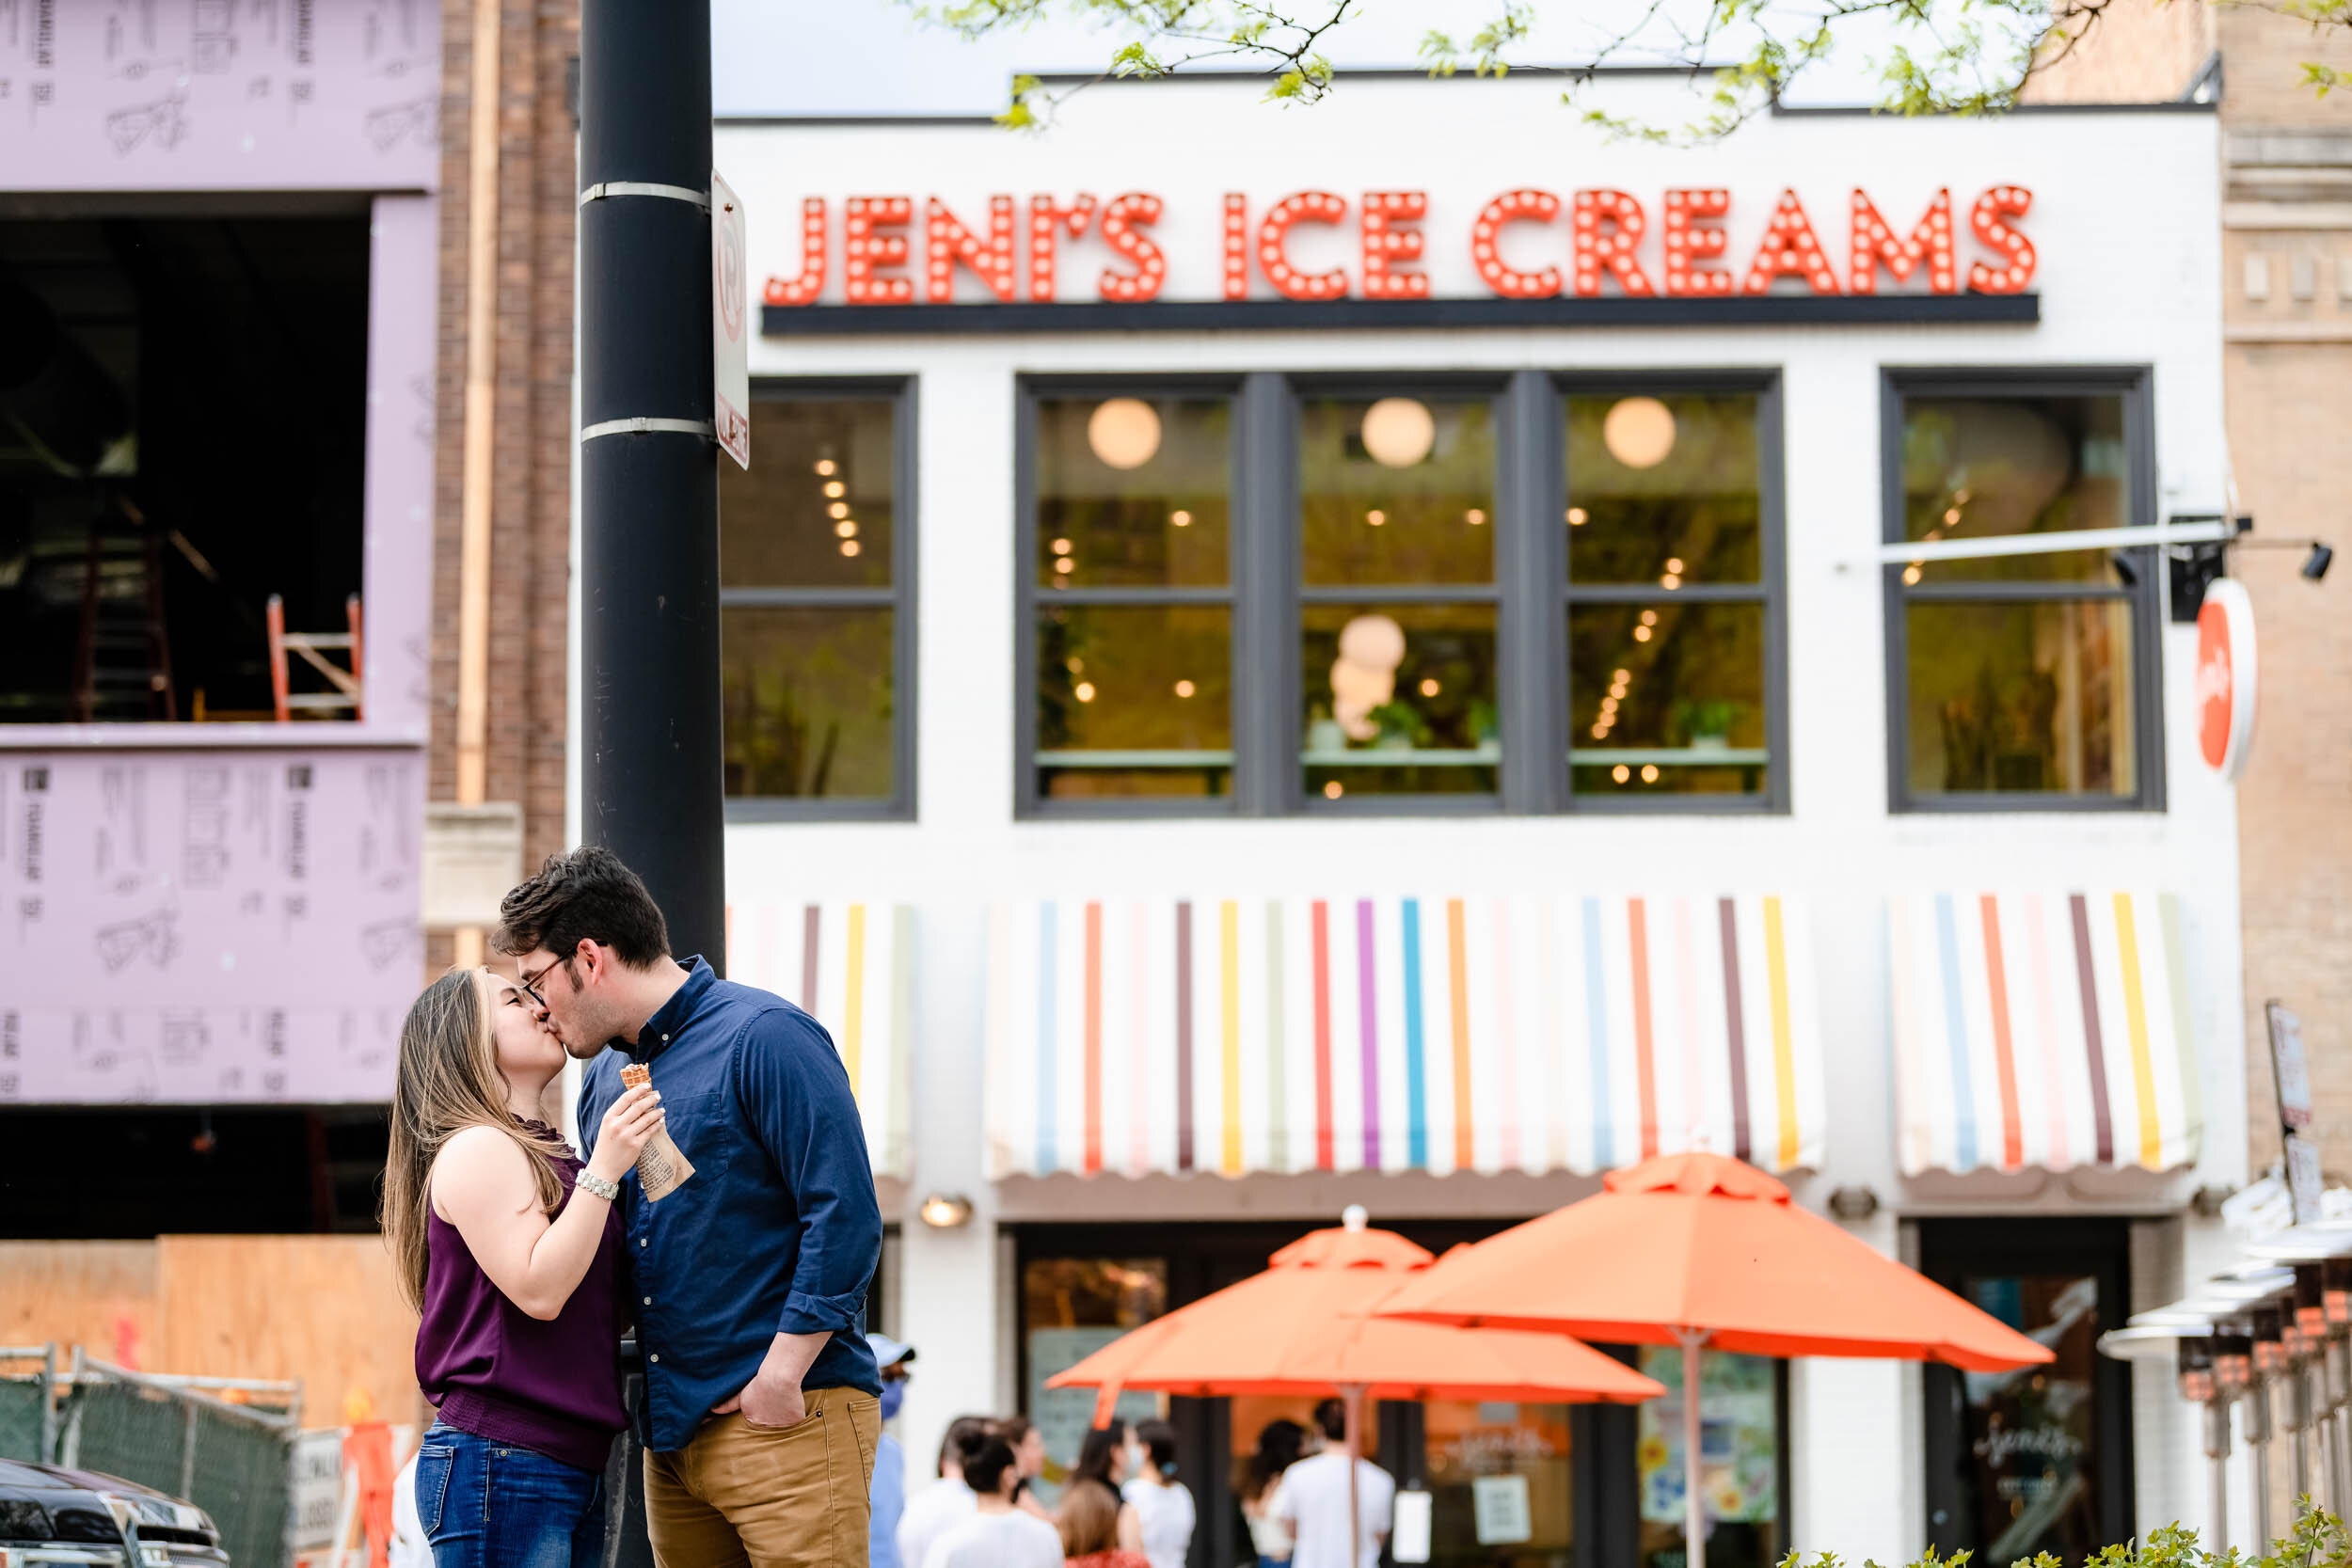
(2225, 678)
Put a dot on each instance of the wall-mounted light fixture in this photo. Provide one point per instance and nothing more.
(1854, 1204)
(945, 1211)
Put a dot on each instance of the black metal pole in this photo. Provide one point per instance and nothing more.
(649, 485)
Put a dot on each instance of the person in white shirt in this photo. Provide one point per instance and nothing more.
(998, 1535)
(1313, 1501)
(946, 1502)
(1162, 1503)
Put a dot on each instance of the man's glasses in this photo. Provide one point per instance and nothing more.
(530, 988)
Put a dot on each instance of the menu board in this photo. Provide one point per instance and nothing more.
(207, 927)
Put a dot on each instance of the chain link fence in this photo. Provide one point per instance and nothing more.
(223, 1444)
(28, 1396)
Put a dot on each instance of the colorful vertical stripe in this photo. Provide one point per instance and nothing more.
(1529, 1033)
(848, 965)
(2042, 1030)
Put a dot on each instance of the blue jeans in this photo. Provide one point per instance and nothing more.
(487, 1505)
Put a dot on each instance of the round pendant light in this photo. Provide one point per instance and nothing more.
(1125, 432)
(1399, 431)
(1639, 431)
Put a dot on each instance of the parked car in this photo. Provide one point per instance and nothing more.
(57, 1518)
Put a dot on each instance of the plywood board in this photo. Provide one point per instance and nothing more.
(100, 1295)
(322, 1310)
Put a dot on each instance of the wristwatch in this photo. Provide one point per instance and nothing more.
(596, 1186)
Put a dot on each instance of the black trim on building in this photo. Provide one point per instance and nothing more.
(1289, 315)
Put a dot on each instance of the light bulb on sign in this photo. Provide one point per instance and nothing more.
(1124, 433)
(1399, 431)
(1638, 432)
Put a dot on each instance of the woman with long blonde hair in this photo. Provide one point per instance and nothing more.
(507, 1246)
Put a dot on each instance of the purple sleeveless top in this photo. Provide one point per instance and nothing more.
(498, 1372)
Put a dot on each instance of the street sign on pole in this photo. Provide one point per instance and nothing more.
(2287, 1072)
(730, 307)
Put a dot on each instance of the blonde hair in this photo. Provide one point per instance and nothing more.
(448, 1081)
(1087, 1519)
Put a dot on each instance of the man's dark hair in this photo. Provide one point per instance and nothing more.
(587, 895)
(966, 1435)
(1331, 1416)
(985, 1471)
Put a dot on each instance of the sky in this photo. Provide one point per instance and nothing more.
(875, 57)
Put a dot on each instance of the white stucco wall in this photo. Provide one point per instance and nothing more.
(2126, 222)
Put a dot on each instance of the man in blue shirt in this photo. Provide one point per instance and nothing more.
(762, 1396)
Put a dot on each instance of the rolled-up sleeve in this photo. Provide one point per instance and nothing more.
(795, 1095)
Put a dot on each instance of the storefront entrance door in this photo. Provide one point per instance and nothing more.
(2037, 1460)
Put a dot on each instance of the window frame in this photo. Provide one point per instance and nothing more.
(1530, 591)
(1770, 589)
(898, 599)
(1029, 801)
(1288, 734)
(2135, 386)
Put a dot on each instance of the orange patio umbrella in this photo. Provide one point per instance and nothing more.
(1698, 1249)
(1308, 1327)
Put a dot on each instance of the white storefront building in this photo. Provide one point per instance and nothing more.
(1280, 658)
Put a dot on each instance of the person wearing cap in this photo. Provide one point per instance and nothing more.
(896, 1361)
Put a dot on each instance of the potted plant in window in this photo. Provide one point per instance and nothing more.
(1399, 728)
(1704, 724)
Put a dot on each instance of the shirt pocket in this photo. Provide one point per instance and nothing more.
(702, 1127)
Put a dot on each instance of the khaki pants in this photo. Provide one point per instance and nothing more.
(737, 1496)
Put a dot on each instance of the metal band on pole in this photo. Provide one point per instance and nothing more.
(603, 188)
(703, 428)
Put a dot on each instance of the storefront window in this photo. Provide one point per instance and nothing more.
(1133, 599)
(812, 641)
(1400, 697)
(1741, 1460)
(2023, 673)
(1070, 1308)
(2031, 1460)
(1501, 1491)
(1667, 597)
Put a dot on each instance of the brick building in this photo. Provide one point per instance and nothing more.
(2287, 329)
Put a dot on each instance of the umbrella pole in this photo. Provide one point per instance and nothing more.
(1694, 1503)
(1351, 1396)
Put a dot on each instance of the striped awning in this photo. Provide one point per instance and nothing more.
(847, 965)
(2042, 1029)
(1530, 1033)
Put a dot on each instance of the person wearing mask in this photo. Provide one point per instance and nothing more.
(1312, 1500)
(946, 1502)
(890, 1459)
(1163, 1504)
(998, 1535)
(1028, 1452)
(1088, 1526)
(1103, 1463)
(1281, 1444)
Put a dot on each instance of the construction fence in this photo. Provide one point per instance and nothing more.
(227, 1445)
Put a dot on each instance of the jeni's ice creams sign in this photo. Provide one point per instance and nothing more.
(1312, 246)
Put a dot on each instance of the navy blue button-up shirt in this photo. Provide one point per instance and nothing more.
(778, 1230)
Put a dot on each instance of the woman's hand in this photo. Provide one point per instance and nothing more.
(625, 1130)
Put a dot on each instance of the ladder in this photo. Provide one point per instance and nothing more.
(122, 657)
(346, 682)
